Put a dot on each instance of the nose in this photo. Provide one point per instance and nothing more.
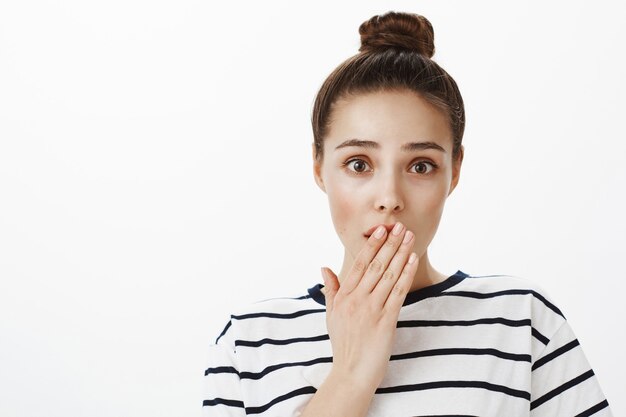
(389, 197)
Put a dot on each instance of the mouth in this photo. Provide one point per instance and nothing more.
(389, 227)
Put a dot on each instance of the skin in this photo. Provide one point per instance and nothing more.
(364, 301)
(390, 186)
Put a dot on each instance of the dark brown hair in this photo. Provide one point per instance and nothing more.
(395, 54)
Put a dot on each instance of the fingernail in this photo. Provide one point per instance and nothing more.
(412, 257)
(379, 232)
(407, 236)
(397, 229)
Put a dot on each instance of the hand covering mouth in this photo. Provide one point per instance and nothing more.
(389, 227)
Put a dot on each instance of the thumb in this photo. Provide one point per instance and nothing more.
(331, 284)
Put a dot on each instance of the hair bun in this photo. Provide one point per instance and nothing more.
(398, 30)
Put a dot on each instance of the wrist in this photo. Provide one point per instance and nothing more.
(351, 383)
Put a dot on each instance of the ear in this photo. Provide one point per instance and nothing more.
(317, 170)
(456, 170)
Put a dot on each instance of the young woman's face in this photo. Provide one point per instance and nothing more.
(387, 158)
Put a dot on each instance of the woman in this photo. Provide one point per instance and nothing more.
(390, 335)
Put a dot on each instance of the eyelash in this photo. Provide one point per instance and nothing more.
(349, 161)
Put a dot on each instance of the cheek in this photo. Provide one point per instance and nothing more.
(429, 214)
(343, 208)
(437, 201)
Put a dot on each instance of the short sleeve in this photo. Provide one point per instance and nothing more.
(563, 383)
(222, 390)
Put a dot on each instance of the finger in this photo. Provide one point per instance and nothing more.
(379, 264)
(363, 260)
(331, 286)
(401, 288)
(392, 274)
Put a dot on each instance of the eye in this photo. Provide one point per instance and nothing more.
(424, 167)
(358, 163)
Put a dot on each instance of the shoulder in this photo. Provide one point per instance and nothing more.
(284, 306)
(516, 297)
(257, 317)
(504, 282)
(508, 285)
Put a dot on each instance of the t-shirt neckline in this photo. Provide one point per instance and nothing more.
(414, 296)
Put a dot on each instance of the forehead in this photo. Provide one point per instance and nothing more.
(390, 118)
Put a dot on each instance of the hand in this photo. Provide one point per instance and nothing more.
(361, 315)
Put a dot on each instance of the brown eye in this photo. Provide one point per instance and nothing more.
(424, 167)
(358, 164)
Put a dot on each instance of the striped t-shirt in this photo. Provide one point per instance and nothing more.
(467, 346)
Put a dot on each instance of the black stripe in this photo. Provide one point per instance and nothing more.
(542, 361)
(278, 315)
(257, 343)
(569, 384)
(404, 323)
(412, 297)
(435, 289)
(216, 401)
(455, 384)
(403, 356)
(594, 409)
(539, 336)
(464, 351)
(224, 331)
(478, 295)
(548, 304)
(299, 391)
(272, 368)
(490, 320)
(221, 370)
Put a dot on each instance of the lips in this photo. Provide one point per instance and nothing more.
(389, 227)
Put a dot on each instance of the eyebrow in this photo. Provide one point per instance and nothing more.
(407, 147)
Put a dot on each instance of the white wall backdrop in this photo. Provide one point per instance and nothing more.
(155, 174)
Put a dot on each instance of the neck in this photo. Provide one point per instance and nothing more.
(424, 276)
